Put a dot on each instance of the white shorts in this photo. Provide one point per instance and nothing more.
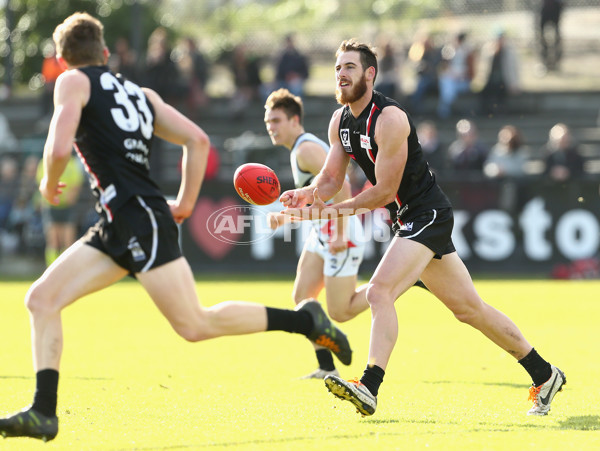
(344, 263)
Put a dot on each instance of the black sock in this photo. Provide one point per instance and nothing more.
(325, 359)
(539, 370)
(299, 322)
(46, 388)
(372, 378)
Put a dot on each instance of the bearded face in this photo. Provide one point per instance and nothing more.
(352, 92)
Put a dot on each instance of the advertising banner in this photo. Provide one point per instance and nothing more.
(524, 227)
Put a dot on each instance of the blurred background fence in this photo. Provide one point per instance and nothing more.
(239, 44)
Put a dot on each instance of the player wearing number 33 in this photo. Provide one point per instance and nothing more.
(111, 122)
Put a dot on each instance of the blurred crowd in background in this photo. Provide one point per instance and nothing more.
(445, 67)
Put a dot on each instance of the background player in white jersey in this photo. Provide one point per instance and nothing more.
(112, 121)
(334, 248)
(379, 135)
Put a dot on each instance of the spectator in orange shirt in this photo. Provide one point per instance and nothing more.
(50, 72)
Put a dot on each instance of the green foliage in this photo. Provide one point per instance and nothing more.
(317, 23)
(30, 24)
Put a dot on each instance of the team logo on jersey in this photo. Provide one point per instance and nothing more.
(137, 253)
(345, 137)
(407, 227)
(365, 142)
(108, 194)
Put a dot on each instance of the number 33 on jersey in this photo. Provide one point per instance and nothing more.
(114, 138)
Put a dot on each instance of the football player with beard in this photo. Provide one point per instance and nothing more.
(380, 136)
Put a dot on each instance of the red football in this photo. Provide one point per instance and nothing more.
(256, 183)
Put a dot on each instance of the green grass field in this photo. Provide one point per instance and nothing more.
(128, 382)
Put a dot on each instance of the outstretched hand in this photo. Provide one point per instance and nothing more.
(296, 198)
(51, 193)
(314, 211)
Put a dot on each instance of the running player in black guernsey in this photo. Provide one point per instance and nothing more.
(112, 121)
(379, 135)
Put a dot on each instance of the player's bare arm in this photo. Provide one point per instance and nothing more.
(330, 178)
(338, 164)
(391, 133)
(71, 93)
(339, 241)
(172, 126)
(311, 158)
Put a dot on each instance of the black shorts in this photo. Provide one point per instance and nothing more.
(142, 235)
(431, 228)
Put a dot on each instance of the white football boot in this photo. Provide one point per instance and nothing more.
(320, 373)
(353, 391)
(543, 395)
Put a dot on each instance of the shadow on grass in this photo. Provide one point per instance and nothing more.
(581, 423)
(381, 421)
(490, 384)
(578, 423)
(268, 443)
(81, 378)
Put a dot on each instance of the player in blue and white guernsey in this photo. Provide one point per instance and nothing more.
(379, 135)
(112, 122)
(334, 249)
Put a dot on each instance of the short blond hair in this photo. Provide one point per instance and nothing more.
(79, 40)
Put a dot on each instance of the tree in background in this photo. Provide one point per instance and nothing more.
(26, 30)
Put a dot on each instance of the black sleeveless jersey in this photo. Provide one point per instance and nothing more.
(418, 189)
(113, 140)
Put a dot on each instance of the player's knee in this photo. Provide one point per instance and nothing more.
(191, 333)
(464, 316)
(340, 314)
(194, 328)
(38, 301)
(377, 295)
(467, 313)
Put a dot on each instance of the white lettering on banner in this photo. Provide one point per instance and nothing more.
(495, 240)
(578, 234)
(535, 221)
(461, 218)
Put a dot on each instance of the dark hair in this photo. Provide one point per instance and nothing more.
(368, 54)
(511, 136)
(288, 102)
